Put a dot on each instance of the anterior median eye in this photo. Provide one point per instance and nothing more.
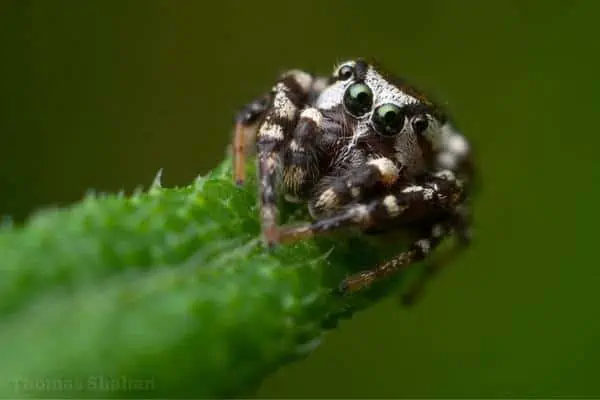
(388, 119)
(358, 99)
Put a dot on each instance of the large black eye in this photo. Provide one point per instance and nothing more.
(358, 99)
(388, 119)
(345, 72)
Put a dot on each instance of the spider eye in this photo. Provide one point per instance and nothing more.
(345, 72)
(388, 119)
(358, 99)
(420, 124)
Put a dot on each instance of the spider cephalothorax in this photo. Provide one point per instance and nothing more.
(363, 150)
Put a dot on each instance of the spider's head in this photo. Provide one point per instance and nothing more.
(383, 109)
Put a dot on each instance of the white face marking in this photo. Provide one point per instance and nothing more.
(271, 130)
(333, 95)
(319, 84)
(314, 115)
(383, 92)
(406, 146)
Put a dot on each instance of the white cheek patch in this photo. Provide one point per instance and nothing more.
(331, 96)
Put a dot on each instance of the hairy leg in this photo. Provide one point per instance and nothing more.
(418, 250)
(246, 124)
(249, 117)
(460, 223)
(402, 204)
(301, 158)
(354, 186)
(289, 98)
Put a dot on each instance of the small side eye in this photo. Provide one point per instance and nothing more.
(345, 72)
(388, 119)
(358, 99)
(420, 124)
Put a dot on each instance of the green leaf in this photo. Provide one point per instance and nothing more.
(165, 293)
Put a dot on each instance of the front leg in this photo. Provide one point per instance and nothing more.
(289, 97)
(246, 123)
(355, 185)
(440, 199)
(418, 250)
(303, 88)
(440, 195)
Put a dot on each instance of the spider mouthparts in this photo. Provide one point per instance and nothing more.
(239, 182)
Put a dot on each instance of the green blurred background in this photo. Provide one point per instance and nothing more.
(101, 94)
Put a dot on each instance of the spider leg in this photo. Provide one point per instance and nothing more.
(300, 156)
(418, 250)
(440, 198)
(461, 226)
(354, 185)
(289, 97)
(439, 195)
(249, 117)
(246, 123)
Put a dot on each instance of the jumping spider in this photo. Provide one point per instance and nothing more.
(364, 150)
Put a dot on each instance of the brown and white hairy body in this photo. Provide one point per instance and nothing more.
(363, 150)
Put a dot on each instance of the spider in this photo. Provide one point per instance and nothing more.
(363, 150)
